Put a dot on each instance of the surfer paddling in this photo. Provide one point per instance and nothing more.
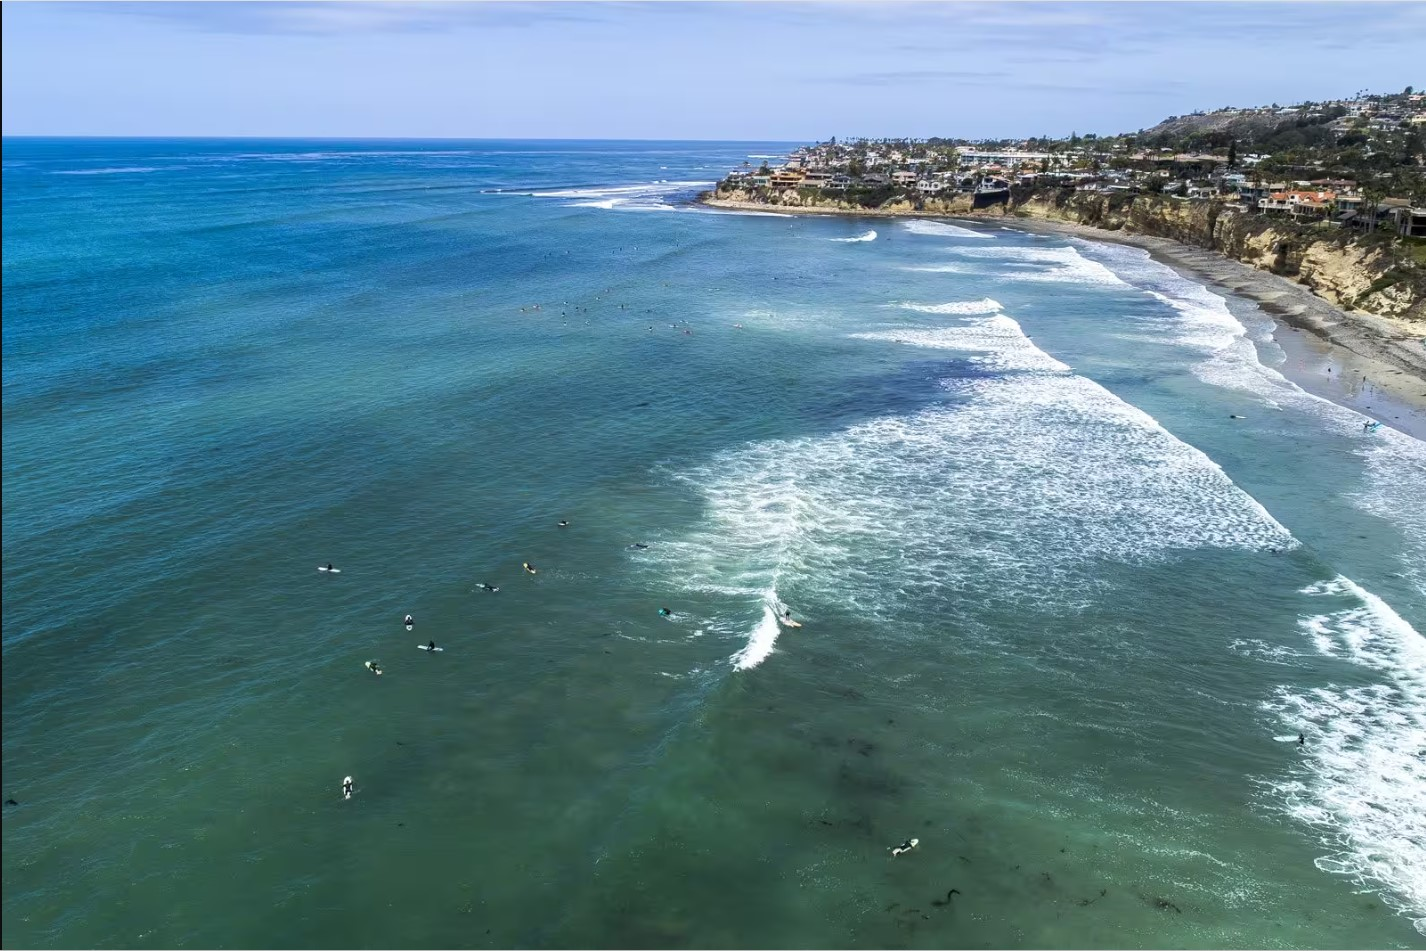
(528, 567)
(347, 788)
(906, 846)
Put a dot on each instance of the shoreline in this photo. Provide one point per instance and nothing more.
(1357, 360)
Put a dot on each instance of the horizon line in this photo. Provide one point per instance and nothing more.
(377, 138)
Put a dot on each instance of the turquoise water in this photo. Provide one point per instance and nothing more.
(1063, 616)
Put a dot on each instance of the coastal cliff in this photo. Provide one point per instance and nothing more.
(1369, 274)
(1353, 272)
(806, 200)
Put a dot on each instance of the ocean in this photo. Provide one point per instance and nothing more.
(1074, 563)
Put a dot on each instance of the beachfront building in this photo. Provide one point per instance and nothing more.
(1299, 203)
(903, 177)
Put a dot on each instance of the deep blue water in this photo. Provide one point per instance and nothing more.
(1063, 617)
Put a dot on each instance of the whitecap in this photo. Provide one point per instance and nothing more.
(983, 306)
(1362, 784)
(998, 341)
(1055, 265)
(761, 640)
(941, 229)
(1227, 357)
(1067, 473)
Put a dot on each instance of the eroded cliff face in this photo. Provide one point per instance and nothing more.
(804, 199)
(1351, 273)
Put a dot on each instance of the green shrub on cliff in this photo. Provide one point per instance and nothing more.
(871, 197)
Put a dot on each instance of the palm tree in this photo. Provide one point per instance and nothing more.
(1372, 194)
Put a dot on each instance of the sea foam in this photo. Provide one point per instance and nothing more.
(983, 306)
(1067, 473)
(1362, 786)
(941, 229)
(1228, 357)
(997, 341)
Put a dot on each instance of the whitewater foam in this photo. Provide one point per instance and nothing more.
(1363, 783)
(867, 236)
(761, 640)
(1395, 462)
(998, 341)
(1056, 265)
(1011, 492)
(983, 306)
(640, 196)
(941, 229)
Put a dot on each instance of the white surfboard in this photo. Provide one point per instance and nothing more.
(371, 667)
(788, 622)
(335, 571)
(410, 627)
(428, 647)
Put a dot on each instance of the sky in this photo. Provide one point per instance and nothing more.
(797, 71)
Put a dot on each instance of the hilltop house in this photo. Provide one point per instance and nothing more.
(1299, 204)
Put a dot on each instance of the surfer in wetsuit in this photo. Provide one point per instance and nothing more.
(528, 567)
(906, 846)
(665, 612)
(1301, 740)
(347, 788)
(563, 524)
(329, 566)
(638, 545)
(487, 586)
(410, 621)
(431, 646)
